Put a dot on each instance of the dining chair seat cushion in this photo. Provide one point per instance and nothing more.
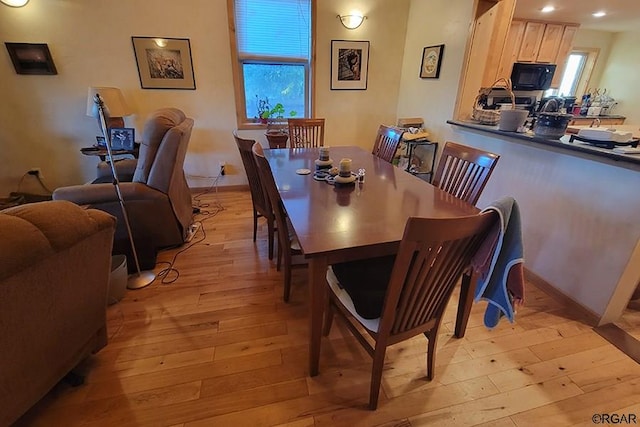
(345, 299)
(366, 283)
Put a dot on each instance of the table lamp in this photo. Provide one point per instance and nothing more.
(114, 103)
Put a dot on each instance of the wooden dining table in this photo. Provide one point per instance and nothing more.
(338, 223)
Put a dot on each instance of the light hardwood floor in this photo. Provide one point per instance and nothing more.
(218, 347)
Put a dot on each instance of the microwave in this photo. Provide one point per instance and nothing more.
(526, 76)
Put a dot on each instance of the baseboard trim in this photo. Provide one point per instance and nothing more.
(586, 314)
(621, 339)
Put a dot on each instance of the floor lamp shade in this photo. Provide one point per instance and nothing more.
(114, 104)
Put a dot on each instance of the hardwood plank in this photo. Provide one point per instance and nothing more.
(579, 409)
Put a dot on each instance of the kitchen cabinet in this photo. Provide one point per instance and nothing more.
(566, 44)
(528, 50)
(537, 42)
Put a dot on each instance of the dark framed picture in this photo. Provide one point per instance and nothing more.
(100, 142)
(122, 138)
(349, 64)
(431, 61)
(164, 63)
(31, 58)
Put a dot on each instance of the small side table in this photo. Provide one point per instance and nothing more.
(411, 145)
(102, 152)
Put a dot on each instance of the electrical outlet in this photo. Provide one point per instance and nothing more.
(35, 172)
(222, 165)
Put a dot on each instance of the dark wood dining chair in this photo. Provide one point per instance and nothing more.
(288, 246)
(433, 254)
(387, 142)
(463, 171)
(259, 198)
(305, 133)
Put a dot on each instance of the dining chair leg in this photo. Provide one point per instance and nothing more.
(432, 336)
(270, 233)
(376, 376)
(255, 224)
(464, 305)
(279, 256)
(287, 279)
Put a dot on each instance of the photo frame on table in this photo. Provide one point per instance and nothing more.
(431, 61)
(122, 138)
(31, 58)
(349, 64)
(164, 63)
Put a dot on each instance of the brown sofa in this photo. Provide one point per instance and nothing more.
(56, 261)
(158, 201)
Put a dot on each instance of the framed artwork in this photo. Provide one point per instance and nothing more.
(31, 58)
(431, 61)
(349, 64)
(122, 138)
(164, 63)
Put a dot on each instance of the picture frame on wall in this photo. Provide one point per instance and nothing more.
(122, 138)
(164, 63)
(31, 58)
(431, 61)
(349, 64)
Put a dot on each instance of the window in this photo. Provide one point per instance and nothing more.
(572, 73)
(577, 73)
(271, 49)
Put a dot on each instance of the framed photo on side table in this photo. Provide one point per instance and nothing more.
(164, 63)
(431, 61)
(349, 64)
(122, 138)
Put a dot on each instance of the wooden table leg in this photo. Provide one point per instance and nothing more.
(318, 294)
(467, 289)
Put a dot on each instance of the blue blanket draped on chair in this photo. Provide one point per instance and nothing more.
(499, 264)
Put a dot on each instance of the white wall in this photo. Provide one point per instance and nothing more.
(43, 122)
(601, 40)
(621, 76)
(430, 23)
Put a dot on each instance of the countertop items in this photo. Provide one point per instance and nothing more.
(579, 148)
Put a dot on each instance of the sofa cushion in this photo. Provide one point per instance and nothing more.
(37, 233)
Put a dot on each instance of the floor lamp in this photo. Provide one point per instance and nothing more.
(140, 279)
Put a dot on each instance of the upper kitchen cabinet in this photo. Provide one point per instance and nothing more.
(537, 42)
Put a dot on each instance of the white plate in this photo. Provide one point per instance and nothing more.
(303, 171)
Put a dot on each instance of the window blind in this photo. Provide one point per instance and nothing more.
(279, 28)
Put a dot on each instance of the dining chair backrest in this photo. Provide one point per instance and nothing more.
(433, 255)
(463, 171)
(387, 142)
(283, 229)
(305, 133)
(259, 198)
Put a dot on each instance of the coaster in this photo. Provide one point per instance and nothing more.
(303, 171)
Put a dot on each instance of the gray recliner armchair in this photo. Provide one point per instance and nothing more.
(158, 200)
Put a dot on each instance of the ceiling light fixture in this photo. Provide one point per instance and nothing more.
(15, 3)
(599, 14)
(353, 21)
(547, 9)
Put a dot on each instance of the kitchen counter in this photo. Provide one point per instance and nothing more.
(630, 161)
(579, 209)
